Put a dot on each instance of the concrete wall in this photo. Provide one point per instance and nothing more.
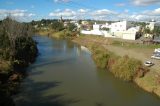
(129, 36)
(119, 26)
(86, 32)
(118, 34)
(92, 32)
(122, 35)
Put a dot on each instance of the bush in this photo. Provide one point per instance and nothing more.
(126, 68)
(26, 50)
(58, 26)
(71, 27)
(5, 67)
(122, 67)
(16, 43)
(100, 56)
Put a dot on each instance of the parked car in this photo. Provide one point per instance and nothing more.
(157, 50)
(155, 57)
(148, 63)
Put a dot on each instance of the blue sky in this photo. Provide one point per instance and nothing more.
(27, 10)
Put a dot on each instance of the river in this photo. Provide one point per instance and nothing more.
(64, 74)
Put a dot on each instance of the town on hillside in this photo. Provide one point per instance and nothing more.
(128, 30)
(139, 32)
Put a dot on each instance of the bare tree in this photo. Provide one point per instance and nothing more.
(14, 30)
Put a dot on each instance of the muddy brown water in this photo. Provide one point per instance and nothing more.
(64, 74)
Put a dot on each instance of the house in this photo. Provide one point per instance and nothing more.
(121, 29)
(84, 22)
(152, 25)
(118, 26)
(95, 31)
(131, 33)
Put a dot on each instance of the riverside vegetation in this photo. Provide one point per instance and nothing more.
(124, 67)
(17, 51)
(55, 28)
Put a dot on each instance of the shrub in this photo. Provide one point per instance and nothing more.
(5, 66)
(16, 43)
(71, 27)
(122, 67)
(125, 68)
(26, 50)
(58, 26)
(100, 56)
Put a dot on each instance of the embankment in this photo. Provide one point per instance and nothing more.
(57, 34)
(124, 66)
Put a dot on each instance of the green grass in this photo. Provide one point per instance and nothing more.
(100, 56)
(5, 66)
(135, 45)
(126, 68)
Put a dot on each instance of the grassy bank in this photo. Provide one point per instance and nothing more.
(123, 67)
(57, 34)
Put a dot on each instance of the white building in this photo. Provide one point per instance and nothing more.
(96, 30)
(122, 29)
(118, 26)
(151, 25)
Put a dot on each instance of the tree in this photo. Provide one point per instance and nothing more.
(71, 27)
(106, 29)
(11, 34)
(79, 21)
(147, 31)
(156, 30)
(58, 26)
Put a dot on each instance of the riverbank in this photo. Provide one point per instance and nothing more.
(150, 81)
(57, 34)
(18, 50)
(9, 82)
(11, 75)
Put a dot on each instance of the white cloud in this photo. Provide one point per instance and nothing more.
(31, 14)
(103, 12)
(155, 12)
(12, 12)
(64, 13)
(145, 2)
(126, 10)
(83, 10)
(17, 13)
(82, 13)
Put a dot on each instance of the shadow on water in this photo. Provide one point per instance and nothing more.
(34, 95)
(99, 104)
(51, 62)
